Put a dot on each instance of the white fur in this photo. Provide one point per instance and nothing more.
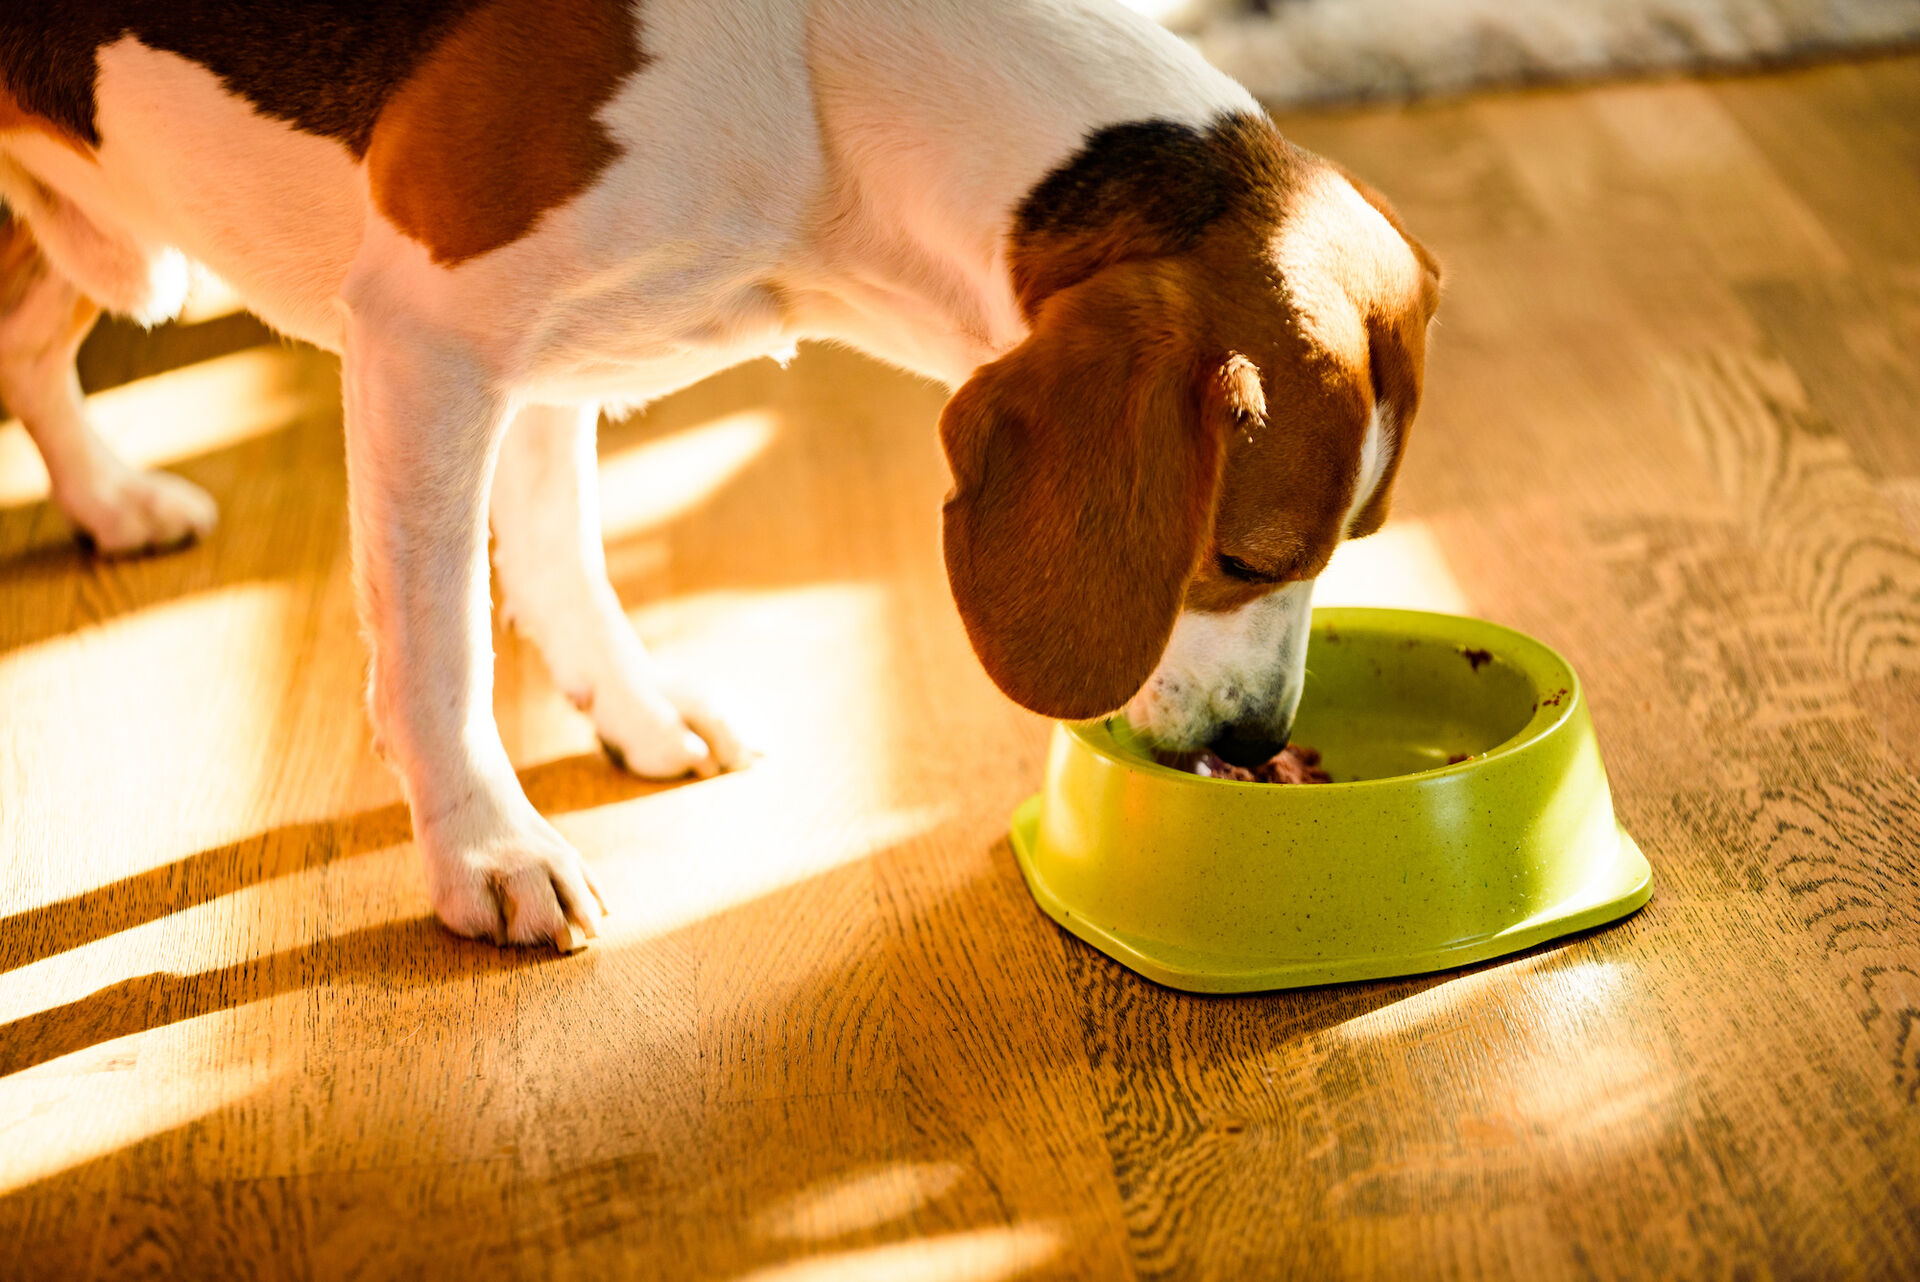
(1243, 667)
(1376, 452)
(936, 121)
(1341, 259)
(145, 281)
(834, 169)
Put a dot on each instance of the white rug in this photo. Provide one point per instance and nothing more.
(1323, 51)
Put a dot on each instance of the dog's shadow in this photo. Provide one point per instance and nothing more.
(1062, 1023)
(580, 782)
(150, 1001)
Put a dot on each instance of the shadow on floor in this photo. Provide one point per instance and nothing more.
(131, 1006)
(119, 351)
(581, 782)
(668, 1178)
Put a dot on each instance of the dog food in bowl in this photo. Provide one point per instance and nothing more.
(1292, 764)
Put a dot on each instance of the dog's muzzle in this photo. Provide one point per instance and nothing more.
(1230, 681)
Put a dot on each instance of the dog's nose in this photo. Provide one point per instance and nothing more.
(1250, 743)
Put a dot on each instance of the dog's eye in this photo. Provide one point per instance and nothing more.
(1234, 568)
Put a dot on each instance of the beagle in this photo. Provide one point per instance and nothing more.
(1187, 353)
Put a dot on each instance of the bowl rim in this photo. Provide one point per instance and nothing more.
(1098, 736)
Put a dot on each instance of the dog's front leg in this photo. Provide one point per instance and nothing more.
(553, 585)
(423, 428)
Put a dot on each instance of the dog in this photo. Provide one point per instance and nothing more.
(1187, 354)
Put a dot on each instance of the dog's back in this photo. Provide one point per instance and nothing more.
(549, 152)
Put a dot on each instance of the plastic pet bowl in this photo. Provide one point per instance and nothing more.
(1412, 860)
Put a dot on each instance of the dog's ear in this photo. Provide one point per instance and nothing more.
(1086, 465)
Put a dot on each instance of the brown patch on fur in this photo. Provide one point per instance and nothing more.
(497, 126)
(1171, 434)
(1288, 483)
(15, 118)
(1138, 189)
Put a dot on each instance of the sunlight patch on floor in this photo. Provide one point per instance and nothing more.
(1402, 566)
(1565, 1070)
(858, 1200)
(54, 1123)
(742, 839)
(1584, 988)
(1577, 1083)
(981, 1255)
(808, 672)
(187, 412)
(158, 725)
(808, 667)
(242, 923)
(650, 484)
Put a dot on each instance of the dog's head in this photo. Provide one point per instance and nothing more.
(1225, 358)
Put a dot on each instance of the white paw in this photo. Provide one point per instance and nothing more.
(131, 513)
(511, 882)
(664, 732)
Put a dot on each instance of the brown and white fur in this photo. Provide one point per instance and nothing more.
(1187, 354)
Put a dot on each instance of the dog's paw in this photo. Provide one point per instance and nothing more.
(512, 883)
(664, 732)
(131, 513)
(717, 723)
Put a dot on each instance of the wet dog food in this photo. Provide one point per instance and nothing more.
(1292, 764)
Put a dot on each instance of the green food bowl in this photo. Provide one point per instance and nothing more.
(1469, 818)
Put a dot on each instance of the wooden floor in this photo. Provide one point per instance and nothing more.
(1674, 429)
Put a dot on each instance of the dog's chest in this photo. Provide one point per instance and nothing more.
(638, 343)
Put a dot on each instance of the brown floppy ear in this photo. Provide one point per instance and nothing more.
(1086, 463)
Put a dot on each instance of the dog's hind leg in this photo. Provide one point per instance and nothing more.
(43, 319)
(553, 582)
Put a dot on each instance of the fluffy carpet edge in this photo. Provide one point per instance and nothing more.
(1320, 52)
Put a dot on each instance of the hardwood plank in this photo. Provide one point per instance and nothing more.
(463, 1219)
(1718, 188)
(52, 1232)
(120, 351)
(1438, 157)
(1849, 341)
(1848, 152)
(242, 1229)
(1817, 520)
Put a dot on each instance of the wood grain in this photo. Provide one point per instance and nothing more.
(1670, 429)
(1818, 520)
